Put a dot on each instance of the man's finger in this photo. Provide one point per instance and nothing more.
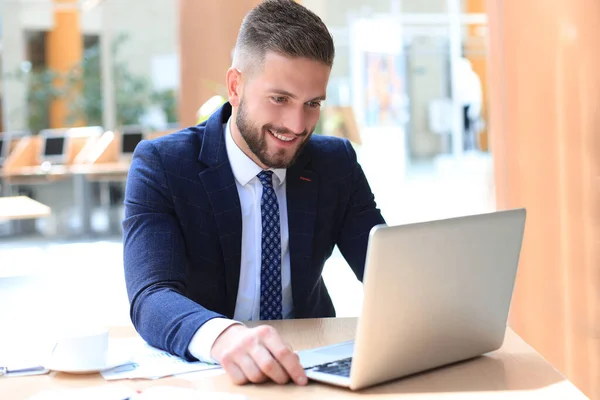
(252, 372)
(234, 372)
(286, 357)
(269, 365)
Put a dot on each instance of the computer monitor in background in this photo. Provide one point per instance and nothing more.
(56, 142)
(8, 141)
(54, 146)
(131, 136)
(2, 155)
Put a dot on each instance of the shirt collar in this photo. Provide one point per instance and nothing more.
(244, 169)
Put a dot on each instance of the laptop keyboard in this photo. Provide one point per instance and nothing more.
(339, 367)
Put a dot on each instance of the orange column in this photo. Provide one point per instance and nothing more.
(205, 50)
(545, 97)
(64, 50)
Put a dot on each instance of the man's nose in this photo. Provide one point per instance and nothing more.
(296, 120)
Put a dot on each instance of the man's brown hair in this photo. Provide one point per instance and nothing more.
(283, 27)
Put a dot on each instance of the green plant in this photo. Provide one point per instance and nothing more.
(82, 91)
(40, 93)
(167, 100)
(133, 94)
(84, 86)
(39, 97)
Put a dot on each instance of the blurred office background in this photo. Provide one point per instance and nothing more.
(455, 107)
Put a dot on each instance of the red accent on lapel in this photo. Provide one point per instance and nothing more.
(305, 179)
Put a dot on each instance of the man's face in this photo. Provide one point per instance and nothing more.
(278, 108)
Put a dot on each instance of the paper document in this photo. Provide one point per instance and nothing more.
(147, 362)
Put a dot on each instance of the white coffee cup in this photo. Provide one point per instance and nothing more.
(80, 351)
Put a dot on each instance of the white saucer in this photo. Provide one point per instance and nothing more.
(114, 360)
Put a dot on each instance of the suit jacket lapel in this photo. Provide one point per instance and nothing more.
(219, 182)
(302, 197)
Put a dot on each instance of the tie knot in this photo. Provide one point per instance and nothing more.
(266, 178)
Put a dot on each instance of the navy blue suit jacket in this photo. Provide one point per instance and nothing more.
(183, 229)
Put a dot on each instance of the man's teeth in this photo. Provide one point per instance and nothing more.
(281, 137)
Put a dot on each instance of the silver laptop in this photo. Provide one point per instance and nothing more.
(435, 293)
(56, 142)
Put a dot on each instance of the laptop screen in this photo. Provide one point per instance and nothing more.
(130, 141)
(54, 146)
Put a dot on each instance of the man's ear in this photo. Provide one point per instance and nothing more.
(234, 86)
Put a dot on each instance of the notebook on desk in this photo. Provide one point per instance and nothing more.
(435, 293)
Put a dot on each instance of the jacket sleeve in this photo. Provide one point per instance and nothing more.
(361, 216)
(155, 259)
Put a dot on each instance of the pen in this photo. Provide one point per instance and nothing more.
(4, 371)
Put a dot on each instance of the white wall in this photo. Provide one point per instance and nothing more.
(151, 26)
(13, 53)
(426, 76)
(336, 12)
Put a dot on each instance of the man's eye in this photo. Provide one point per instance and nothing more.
(279, 99)
(314, 104)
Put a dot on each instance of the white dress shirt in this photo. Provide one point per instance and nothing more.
(247, 306)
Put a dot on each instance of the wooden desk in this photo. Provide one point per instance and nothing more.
(34, 175)
(62, 171)
(103, 172)
(514, 371)
(21, 207)
(81, 174)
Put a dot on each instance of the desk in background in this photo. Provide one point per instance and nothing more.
(81, 175)
(88, 154)
(21, 207)
(515, 371)
(27, 175)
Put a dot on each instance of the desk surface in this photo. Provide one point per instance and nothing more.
(57, 171)
(514, 371)
(21, 207)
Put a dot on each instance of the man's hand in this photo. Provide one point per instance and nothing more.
(256, 355)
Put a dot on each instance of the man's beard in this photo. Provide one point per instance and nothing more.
(257, 143)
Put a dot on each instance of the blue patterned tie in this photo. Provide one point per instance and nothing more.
(270, 273)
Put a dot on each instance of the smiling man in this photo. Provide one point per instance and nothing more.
(233, 220)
